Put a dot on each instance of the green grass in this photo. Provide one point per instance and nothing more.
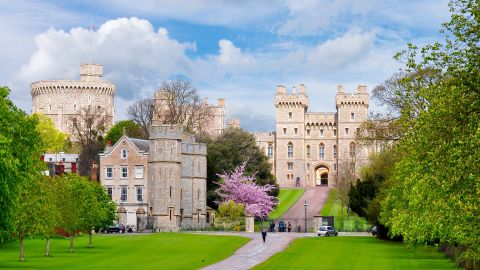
(355, 253)
(343, 220)
(286, 198)
(147, 251)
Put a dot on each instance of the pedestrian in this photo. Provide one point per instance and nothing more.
(264, 235)
(272, 226)
(289, 227)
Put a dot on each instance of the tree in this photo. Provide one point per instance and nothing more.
(53, 140)
(88, 130)
(230, 149)
(240, 188)
(127, 127)
(175, 102)
(346, 177)
(36, 213)
(433, 192)
(20, 149)
(141, 113)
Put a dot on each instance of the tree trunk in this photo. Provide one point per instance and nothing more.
(90, 239)
(71, 242)
(47, 249)
(22, 254)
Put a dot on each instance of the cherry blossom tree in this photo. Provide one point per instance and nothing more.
(241, 188)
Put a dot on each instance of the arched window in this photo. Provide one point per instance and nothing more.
(321, 151)
(270, 151)
(124, 153)
(334, 151)
(352, 150)
(308, 151)
(290, 150)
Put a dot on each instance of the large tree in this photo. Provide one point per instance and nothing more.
(433, 193)
(20, 148)
(175, 102)
(53, 140)
(89, 127)
(231, 149)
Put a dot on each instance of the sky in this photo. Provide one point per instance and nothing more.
(237, 50)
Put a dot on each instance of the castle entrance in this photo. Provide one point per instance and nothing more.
(321, 175)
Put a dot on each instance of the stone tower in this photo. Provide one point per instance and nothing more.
(352, 110)
(290, 129)
(62, 100)
(176, 179)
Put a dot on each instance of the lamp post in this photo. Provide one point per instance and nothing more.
(305, 205)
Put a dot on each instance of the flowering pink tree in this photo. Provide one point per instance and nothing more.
(242, 189)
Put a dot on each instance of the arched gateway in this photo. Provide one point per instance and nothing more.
(321, 175)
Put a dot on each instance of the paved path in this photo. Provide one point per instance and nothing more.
(256, 252)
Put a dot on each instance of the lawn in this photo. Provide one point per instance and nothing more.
(286, 198)
(146, 251)
(343, 221)
(355, 253)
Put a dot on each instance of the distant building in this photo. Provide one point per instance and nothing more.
(62, 100)
(61, 163)
(158, 184)
(310, 148)
(234, 123)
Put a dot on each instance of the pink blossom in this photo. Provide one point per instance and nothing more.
(241, 188)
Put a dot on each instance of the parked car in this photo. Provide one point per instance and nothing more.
(374, 230)
(327, 231)
(282, 227)
(117, 228)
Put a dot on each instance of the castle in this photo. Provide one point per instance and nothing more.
(63, 100)
(313, 148)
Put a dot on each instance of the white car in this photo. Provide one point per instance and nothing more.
(327, 231)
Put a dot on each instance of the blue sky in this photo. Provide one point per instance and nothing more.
(238, 50)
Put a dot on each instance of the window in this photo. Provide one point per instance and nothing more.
(358, 130)
(170, 214)
(346, 131)
(308, 132)
(288, 176)
(290, 115)
(124, 172)
(284, 131)
(170, 191)
(296, 130)
(138, 172)
(290, 150)
(334, 151)
(321, 132)
(335, 166)
(108, 172)
(352, 150)
(308, 151)
(123, 194)
(139, 193)
(321, 151)
(270, 151)
(110, 192)
(308, 166)
(352, 116)
(334, 132)
(290, 166)
(124, 153)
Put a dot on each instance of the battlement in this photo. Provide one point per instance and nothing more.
(360, 97)
(282, 99)
(173, 132)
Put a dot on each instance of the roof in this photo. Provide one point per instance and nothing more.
(142, 145)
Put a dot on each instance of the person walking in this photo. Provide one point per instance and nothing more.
(264, 235)
(289, 227)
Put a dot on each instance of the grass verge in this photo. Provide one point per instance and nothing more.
(145, 251)
(286, 199)
(355, 253)
(344, 221)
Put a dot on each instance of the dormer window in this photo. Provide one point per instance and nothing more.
(124, 153)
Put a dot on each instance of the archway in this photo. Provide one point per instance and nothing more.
(321, 175)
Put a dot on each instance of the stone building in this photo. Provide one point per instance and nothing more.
(313, 148)
(62, 100)
(168, 186)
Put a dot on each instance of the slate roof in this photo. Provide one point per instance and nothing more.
(142, 145)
